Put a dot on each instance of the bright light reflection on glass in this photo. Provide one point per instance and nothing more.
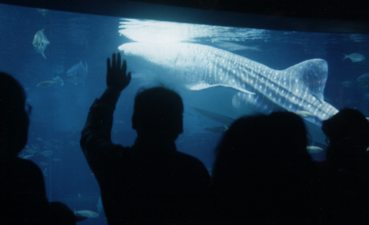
(151, 31)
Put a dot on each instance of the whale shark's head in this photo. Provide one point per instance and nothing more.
(149, 58)
(136, 56)
(160, 54)
(154, 64)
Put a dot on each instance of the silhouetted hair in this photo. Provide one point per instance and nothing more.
(239, 147)
(262, 171)
(289, 129)
(158, 111)
(12, 96)
(13, 116)
(347, 168)
(347, 123)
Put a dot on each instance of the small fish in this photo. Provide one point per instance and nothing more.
(363, 78)
(45, 83)
(219, 129)
(363, 82)
(355, 57)
(31, 149)
(47, 153)
(54, 81)
(27, 156)
(99, 205)
(347, 84)
(314, 149)
(86, 213)
(77, 73)
(59, 81)
(40, 42)
(43, 12)
(358, 38)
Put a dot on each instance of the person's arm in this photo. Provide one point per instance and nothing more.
(96, 135)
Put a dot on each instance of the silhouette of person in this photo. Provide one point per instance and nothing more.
(262, 173)
(238, 173)
(347, 168)
(150, 182)
(22, 189)
(294, 175)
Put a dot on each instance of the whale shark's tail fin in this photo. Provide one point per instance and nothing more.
(312, 73)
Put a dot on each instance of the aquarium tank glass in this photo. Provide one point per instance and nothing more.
(221, 72)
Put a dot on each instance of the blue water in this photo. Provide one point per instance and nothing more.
(60, 90)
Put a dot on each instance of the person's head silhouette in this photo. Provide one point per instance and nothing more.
(158, 114)
(348, 132)
(289, 134)
(14, 119)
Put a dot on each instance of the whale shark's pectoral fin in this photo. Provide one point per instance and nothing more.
(199, 86)
(203, 85)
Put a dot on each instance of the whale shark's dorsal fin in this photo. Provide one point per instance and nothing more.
(312, 73)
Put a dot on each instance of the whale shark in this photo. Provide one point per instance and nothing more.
(196, 67)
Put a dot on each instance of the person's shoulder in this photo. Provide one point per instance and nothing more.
(21, 163)
(122, 150)
(192, 171)
(186, 157)
(26, 166)
(190, 161)
(21, 172)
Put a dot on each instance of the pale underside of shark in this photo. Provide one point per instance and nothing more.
(298, 88)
